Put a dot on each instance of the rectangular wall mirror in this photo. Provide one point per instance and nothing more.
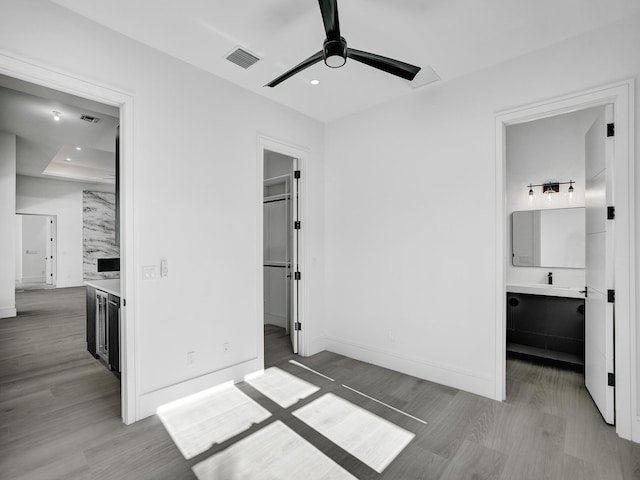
(548, 238)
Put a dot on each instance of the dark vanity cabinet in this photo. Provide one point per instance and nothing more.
(549, 329)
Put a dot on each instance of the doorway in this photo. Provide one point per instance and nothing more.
(623, 256)
(64, 83)
(36, 251)
(281, 227)
(560, 249)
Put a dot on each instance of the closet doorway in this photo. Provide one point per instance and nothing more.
(281, 229)
(35, 251)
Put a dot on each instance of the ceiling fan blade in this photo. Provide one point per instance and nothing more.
(329, 10)
(315, 58)
(389, 65)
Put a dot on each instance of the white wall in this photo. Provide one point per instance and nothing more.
(34, 248)
(412, 211)
(197, 198)
(64, 200)
(8, 223)
(551, 149)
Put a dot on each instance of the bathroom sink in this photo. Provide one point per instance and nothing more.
(548, 290)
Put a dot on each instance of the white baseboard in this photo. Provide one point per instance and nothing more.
(8, 312)
(474, 382)
(274, 319)
(148, 403)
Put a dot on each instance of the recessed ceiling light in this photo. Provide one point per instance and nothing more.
(78, 148)
(68, 159)
(56, 116)
(315, 81)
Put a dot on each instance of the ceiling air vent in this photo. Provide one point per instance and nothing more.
(242, 58)
(89, 118)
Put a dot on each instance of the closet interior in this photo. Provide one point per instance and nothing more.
(280, 243)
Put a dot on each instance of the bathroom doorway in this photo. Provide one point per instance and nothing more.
(548, 281)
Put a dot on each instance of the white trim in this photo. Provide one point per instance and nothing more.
(52, 77)
(8, 312)
(301, 153)
(621, 95)
(475, 382)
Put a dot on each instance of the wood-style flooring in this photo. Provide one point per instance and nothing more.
(60, 414)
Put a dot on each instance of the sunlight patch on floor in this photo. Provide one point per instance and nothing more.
(274, 452)
(282, 387)
(373, 440)
(197, 422)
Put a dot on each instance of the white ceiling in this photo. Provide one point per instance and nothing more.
(454, 37)
(43, 145)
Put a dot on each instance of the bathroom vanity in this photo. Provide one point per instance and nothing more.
(546, 323)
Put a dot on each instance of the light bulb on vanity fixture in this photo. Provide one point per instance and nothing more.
(551, 187)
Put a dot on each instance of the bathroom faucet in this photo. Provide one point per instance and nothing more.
(550, 278)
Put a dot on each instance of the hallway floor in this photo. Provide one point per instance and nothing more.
(59, 415)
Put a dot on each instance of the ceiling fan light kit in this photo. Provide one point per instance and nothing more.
(335, 51)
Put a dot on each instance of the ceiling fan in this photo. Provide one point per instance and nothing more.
(335, 51)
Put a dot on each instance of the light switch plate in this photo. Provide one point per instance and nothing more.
(164, 268)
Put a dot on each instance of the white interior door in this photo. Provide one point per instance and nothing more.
(295, 268)
(599, 313)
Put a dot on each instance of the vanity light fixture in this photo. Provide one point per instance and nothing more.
(552, 187)
(56, 116)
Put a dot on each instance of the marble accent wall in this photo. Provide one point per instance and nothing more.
(98, 232)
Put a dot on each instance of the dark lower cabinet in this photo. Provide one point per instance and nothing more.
(549, 329)
(113, 317)
(103, 327)
(91, 320)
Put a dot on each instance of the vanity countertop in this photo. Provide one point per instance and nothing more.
(548, 290)
(111, 286)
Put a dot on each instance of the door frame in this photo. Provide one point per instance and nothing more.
(621, 95)
(52, 77)
(301, 153)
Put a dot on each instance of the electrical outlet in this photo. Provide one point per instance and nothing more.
(149, 272)
(191, 358)
(226, 346)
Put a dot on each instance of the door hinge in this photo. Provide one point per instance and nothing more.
(296, 225)
(611, 129)
(297, 276)
(611, 379)
(297, 326)
(124, 302)
(611, 296)
(611, 213)
(296, 174)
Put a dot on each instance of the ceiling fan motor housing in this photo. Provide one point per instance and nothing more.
(335, 52)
